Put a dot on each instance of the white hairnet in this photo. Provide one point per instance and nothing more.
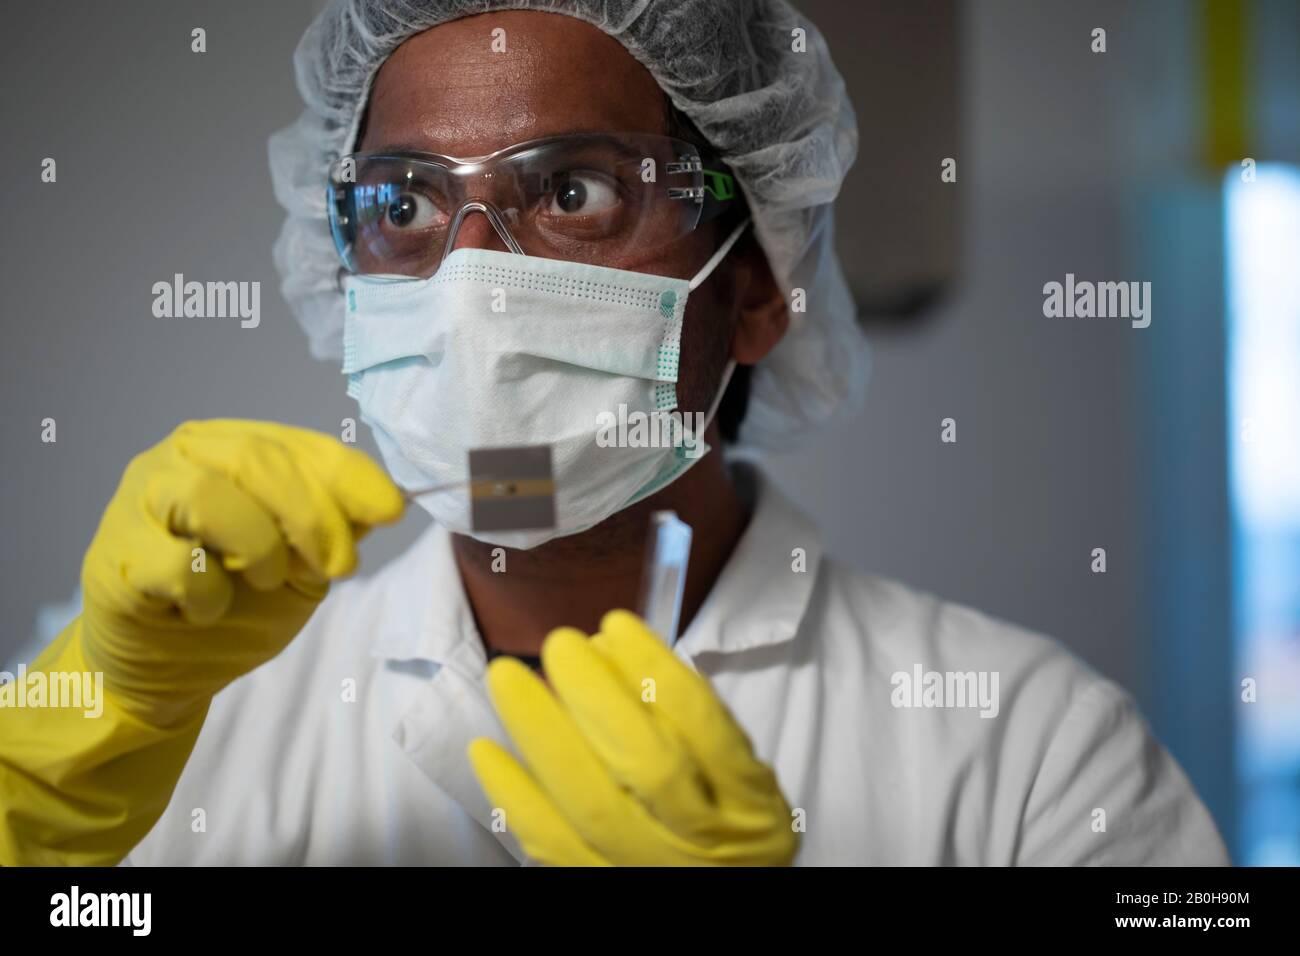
(773, 107)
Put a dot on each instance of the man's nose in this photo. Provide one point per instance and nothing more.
(477, 232)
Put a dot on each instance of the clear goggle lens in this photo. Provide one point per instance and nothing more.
(606, 199)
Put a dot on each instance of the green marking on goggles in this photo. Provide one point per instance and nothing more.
(719, 185)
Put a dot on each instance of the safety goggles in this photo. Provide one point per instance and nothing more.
(604, 199)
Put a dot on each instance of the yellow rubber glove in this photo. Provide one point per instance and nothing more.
(276, 512)
(632, 761)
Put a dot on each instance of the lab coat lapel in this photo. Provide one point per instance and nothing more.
(435, 731)
(452, 708)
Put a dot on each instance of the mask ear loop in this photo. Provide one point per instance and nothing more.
(722, 390)
(695, 283)
(717, 257)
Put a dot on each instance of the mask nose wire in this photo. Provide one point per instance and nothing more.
(493, 216)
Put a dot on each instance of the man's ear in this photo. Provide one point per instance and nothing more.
(762, 315)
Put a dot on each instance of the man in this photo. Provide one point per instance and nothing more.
(844, 719)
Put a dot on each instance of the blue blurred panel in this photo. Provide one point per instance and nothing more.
(1263, 268)
(1181, 384)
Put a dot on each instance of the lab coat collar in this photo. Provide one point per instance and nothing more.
(765, 588)
(439, 625)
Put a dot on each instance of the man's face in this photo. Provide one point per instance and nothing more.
(446, 91)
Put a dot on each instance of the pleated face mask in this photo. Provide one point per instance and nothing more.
(501, 350)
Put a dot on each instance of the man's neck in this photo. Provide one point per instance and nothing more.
(574, 580)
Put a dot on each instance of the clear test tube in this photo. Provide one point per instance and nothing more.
(663, 579)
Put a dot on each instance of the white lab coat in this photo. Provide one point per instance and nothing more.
(349, 748)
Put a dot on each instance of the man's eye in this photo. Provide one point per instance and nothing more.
(411, 211)
(583, 194)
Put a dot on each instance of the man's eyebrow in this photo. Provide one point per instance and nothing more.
(596, 135)
(403, 148)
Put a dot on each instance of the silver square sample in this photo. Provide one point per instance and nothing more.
(511, 489)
